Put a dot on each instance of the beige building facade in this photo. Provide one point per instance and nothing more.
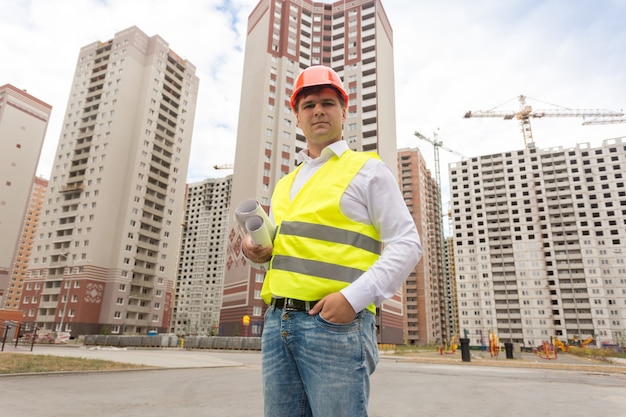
(355, 39)
(106, 251)
(23, 123)
(26, 244)
(200, 278)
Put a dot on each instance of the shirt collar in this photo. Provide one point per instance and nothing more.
(335, 148)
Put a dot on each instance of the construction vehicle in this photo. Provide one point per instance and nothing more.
(575, 341)
(561, 345)
(586, 342)
(526, 112)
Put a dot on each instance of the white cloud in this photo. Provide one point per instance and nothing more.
(451, 56)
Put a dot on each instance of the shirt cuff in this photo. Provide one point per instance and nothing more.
(356, 298)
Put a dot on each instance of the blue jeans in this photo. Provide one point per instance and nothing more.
(314, 368)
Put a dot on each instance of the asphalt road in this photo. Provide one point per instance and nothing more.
(228, 384)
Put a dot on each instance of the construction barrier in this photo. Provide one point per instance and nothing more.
(170, 340)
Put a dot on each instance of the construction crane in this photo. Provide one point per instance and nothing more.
(436, 145)
(224, 166)
(604, 121)
(526, 112)
(444, 258)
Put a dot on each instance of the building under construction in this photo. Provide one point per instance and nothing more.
(539, 239)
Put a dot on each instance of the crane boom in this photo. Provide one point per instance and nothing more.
(438, 144)
(526, 112)
(224, 166)
(604, 121)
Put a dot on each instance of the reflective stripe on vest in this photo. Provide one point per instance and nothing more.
(316, 268)
(331, 234)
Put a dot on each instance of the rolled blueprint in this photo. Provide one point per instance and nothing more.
(249, 208)
(259, 234)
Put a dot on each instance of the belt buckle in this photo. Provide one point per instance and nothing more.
(289, 305)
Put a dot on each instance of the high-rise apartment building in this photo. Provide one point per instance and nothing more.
(23, 124)
(107, 247)
(25, 246)
(284, 37)
(424, 290)
(200, 278)
(539, 248)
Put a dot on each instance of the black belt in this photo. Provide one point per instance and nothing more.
(291, 304)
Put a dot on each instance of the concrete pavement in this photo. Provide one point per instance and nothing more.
(228, 384)
(177, 358)
(160, 358)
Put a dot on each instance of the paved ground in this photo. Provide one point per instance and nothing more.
(182, 358)
(161, 358)
(228, 384)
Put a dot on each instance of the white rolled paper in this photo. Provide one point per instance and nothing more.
(249, 208)
(258, 233)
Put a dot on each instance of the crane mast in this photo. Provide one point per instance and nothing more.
(526, 112)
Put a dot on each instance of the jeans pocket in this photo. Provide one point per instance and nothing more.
(337, 327)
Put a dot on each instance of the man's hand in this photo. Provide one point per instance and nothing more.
(256, 253)
(334, 308)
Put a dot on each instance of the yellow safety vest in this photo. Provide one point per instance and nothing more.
(317, 249)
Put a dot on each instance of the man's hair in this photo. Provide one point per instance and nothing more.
(316, 89)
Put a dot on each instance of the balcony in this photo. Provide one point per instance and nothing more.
(138, 309)
(51, 291)
(49, 304)
(145, 271)
(143, 257)
(139, 296)
(72, 188)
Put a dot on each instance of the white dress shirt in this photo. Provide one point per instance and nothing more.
(373, 197)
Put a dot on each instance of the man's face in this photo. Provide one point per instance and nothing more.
(320, 116)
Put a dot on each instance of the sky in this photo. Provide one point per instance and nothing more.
(450, 57)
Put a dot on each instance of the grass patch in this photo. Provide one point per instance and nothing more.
(407, 349)
(19, 363)
(597, 354)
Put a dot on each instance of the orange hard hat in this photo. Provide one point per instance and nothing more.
(317, 75)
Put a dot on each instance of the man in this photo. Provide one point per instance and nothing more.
(327, 271)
